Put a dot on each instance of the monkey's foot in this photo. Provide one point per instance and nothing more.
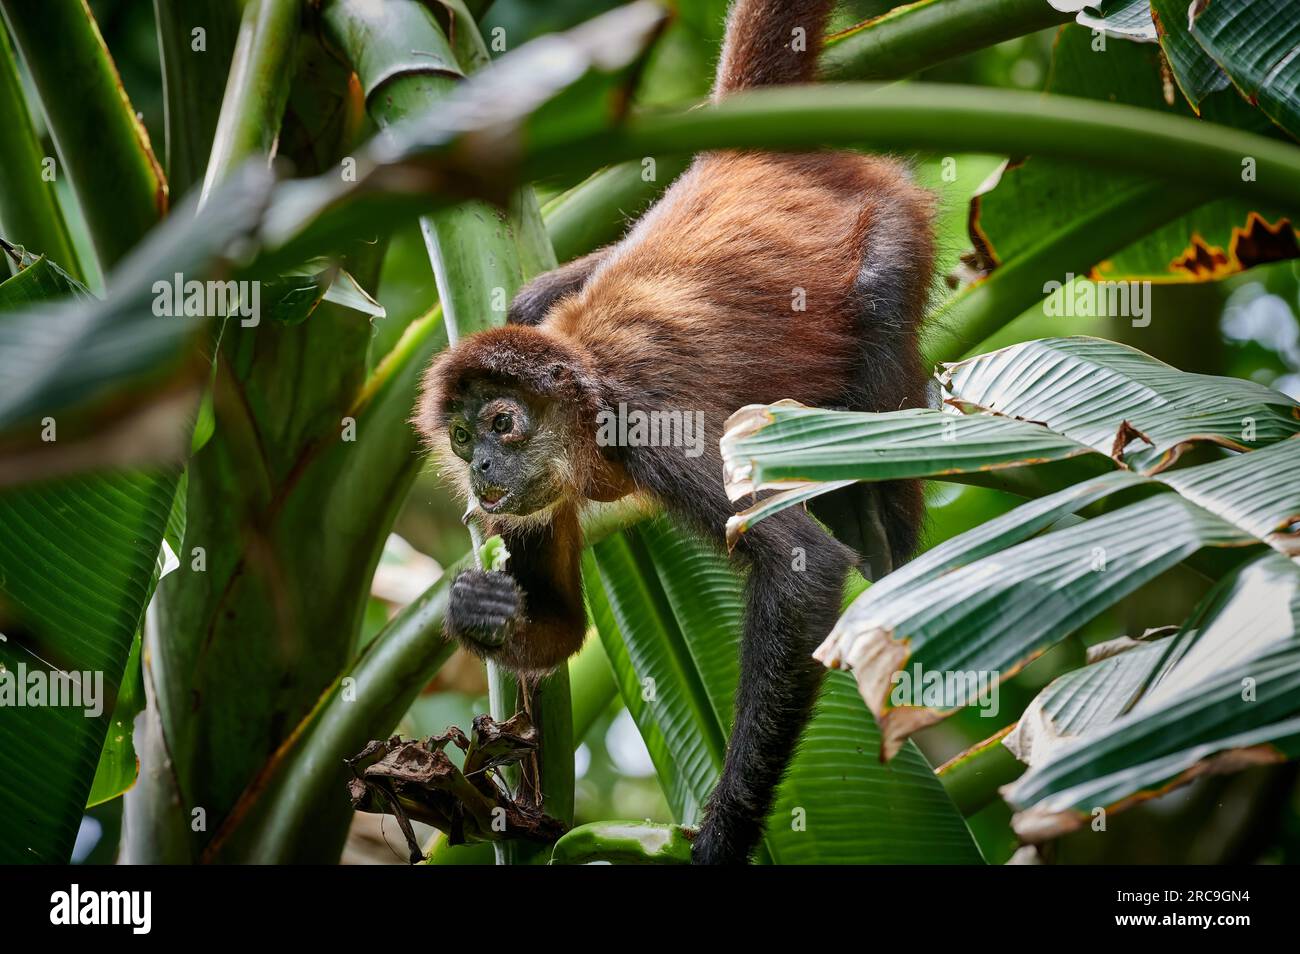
(418, 780)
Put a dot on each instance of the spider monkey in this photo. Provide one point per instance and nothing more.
(696, 309)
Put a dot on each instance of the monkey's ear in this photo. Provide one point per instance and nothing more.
(535, 299)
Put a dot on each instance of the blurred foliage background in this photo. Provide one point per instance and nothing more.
(1243, 326)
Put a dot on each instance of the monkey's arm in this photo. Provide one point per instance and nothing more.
(535, 299)
(529, 617)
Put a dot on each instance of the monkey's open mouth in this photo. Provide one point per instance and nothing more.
(491, 498)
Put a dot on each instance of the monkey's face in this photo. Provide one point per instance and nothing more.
(508, 444)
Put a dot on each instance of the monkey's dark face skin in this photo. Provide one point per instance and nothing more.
(502, 435)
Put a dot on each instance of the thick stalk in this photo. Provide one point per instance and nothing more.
(918, 35)
(102, 144)
(946, 120)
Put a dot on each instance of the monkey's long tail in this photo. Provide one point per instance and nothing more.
(771, 43)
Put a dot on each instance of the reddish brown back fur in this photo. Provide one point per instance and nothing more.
(702, 292)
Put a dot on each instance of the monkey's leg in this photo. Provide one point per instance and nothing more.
(793, 598)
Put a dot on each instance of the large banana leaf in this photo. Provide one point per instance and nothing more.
(1256, 42)
(668, 611)
(1253, 43)
(1083, 699)
(77, 563)
(1001, 612)
(1036, 203)
(1119, 401)
(1033, 407)
(102, 144)
(1221, 695)
(994, 598)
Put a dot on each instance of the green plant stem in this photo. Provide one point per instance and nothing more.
(257, 88)
(947, 119)
(550, 708)
(918, 35)
(973, 778)
(377, 690)
(29, 205)
(194, 80)
(101, 143)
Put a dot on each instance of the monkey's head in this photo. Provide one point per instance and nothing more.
(504, 410)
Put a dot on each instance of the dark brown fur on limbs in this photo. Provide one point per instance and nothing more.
(756, 278)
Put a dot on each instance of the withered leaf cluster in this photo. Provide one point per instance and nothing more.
(417, 780)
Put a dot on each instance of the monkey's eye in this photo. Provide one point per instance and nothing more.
(460, 434)
(502, 423)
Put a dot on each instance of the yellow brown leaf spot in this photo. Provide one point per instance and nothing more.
(1257, 243)
(1260, 242)
(1202, 261)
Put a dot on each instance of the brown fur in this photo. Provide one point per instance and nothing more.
(696, 304)
(694, 310)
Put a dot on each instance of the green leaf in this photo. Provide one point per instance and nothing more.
(1269, 510)
(1031, 405)
(102, 144)
(1257, 42)
(261, 69)
(38, 280)
(29, 202)
(118, 765)
(643, 641)
(78, 558)
(1230, 699)
(193, 86)
(1039, 202)
(1194, 70)
(1022, 593)
(116, 378)
(1020, 600)
(1083, 699)
(292, 297)
(786, 445)
(1119, 401)
(1127, 19)
(669, 610)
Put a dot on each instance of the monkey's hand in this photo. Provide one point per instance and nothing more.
(484, 609)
